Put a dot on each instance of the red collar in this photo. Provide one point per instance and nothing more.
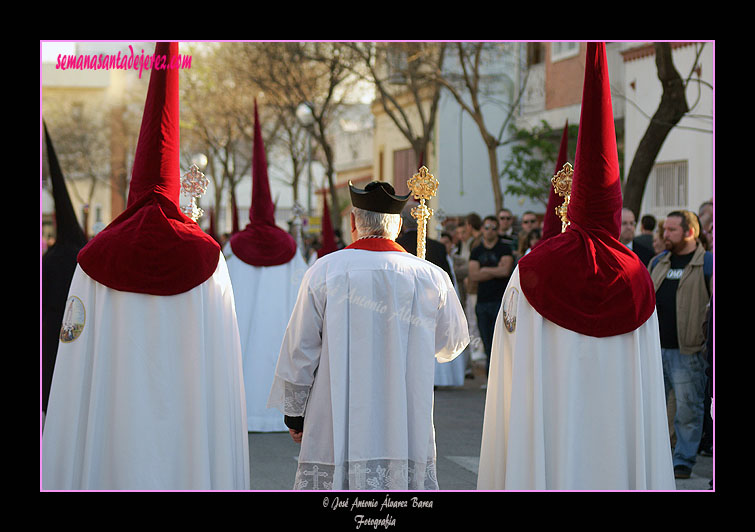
(376, 244)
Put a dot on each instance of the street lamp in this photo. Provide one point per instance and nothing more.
(306, 118)
(200, 159)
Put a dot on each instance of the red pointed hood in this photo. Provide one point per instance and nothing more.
(551, 222)
(234, 213)
(328, 236)
(212, 230)
(152, 247)
(596, 191)
(156, 162)
(584, 279)
(262, 242)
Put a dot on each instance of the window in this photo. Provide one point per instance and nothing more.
(563, 50)
(396, 64)
(668, 185)
(535, 53)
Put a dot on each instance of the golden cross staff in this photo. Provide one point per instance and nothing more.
(562, 186)
(424, 186)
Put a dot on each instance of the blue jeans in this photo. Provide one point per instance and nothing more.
(486, 313)
(685, 374)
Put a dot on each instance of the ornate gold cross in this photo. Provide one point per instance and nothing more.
(562, 186)
(424, 186)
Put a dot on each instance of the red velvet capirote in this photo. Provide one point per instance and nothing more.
(584, 279)
(152, 247)
(262, 242)
(328, 244)
(551, 221)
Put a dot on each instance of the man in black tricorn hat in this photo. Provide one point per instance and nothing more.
(355, 374)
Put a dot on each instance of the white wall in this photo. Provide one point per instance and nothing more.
(463, 167)
(692, 138)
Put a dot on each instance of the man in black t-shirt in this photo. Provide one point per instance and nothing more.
(490, 265)
(665, 300)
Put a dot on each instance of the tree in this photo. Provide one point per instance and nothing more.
(472, 89)
(533, 159)
(399, 70)
(217, 119)
(82, 142)
(291, 142)
(672, 108)
(293, 73)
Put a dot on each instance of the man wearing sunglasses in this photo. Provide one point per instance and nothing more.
(490, 265)
(506, 227)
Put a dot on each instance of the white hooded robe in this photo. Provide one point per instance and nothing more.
(565, 411)
(265, 297)
(146, 396)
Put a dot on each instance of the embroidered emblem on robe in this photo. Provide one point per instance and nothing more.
(74, 320)
(510, 303)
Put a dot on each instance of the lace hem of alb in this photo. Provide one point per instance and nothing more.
(378, 474)
(288, 397)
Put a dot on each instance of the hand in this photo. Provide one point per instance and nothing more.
(296, 435)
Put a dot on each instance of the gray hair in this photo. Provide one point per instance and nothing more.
(376, 223)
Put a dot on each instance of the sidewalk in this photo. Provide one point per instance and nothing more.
(701, 476)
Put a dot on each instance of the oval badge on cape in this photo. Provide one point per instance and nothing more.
(74, 320)
(510, 304)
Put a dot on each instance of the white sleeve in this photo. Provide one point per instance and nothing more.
(451, 330)
(300, 352)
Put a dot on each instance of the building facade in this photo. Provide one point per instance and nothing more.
(93, 118)
(683, 174)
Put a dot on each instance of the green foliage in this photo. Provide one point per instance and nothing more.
(529, 169)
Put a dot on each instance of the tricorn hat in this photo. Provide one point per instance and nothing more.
(378, 196)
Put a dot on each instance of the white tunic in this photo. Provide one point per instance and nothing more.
(451, 373)
(566, 411)
(149, 394)
(357, 361)
(265, 297)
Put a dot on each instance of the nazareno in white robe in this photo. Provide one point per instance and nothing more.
(150, 393)
(265, 297)
(357, 361)
(565, 411)
(451, 373)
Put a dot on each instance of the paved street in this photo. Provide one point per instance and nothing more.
(458, 432)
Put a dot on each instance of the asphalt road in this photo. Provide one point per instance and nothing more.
(458, 434)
